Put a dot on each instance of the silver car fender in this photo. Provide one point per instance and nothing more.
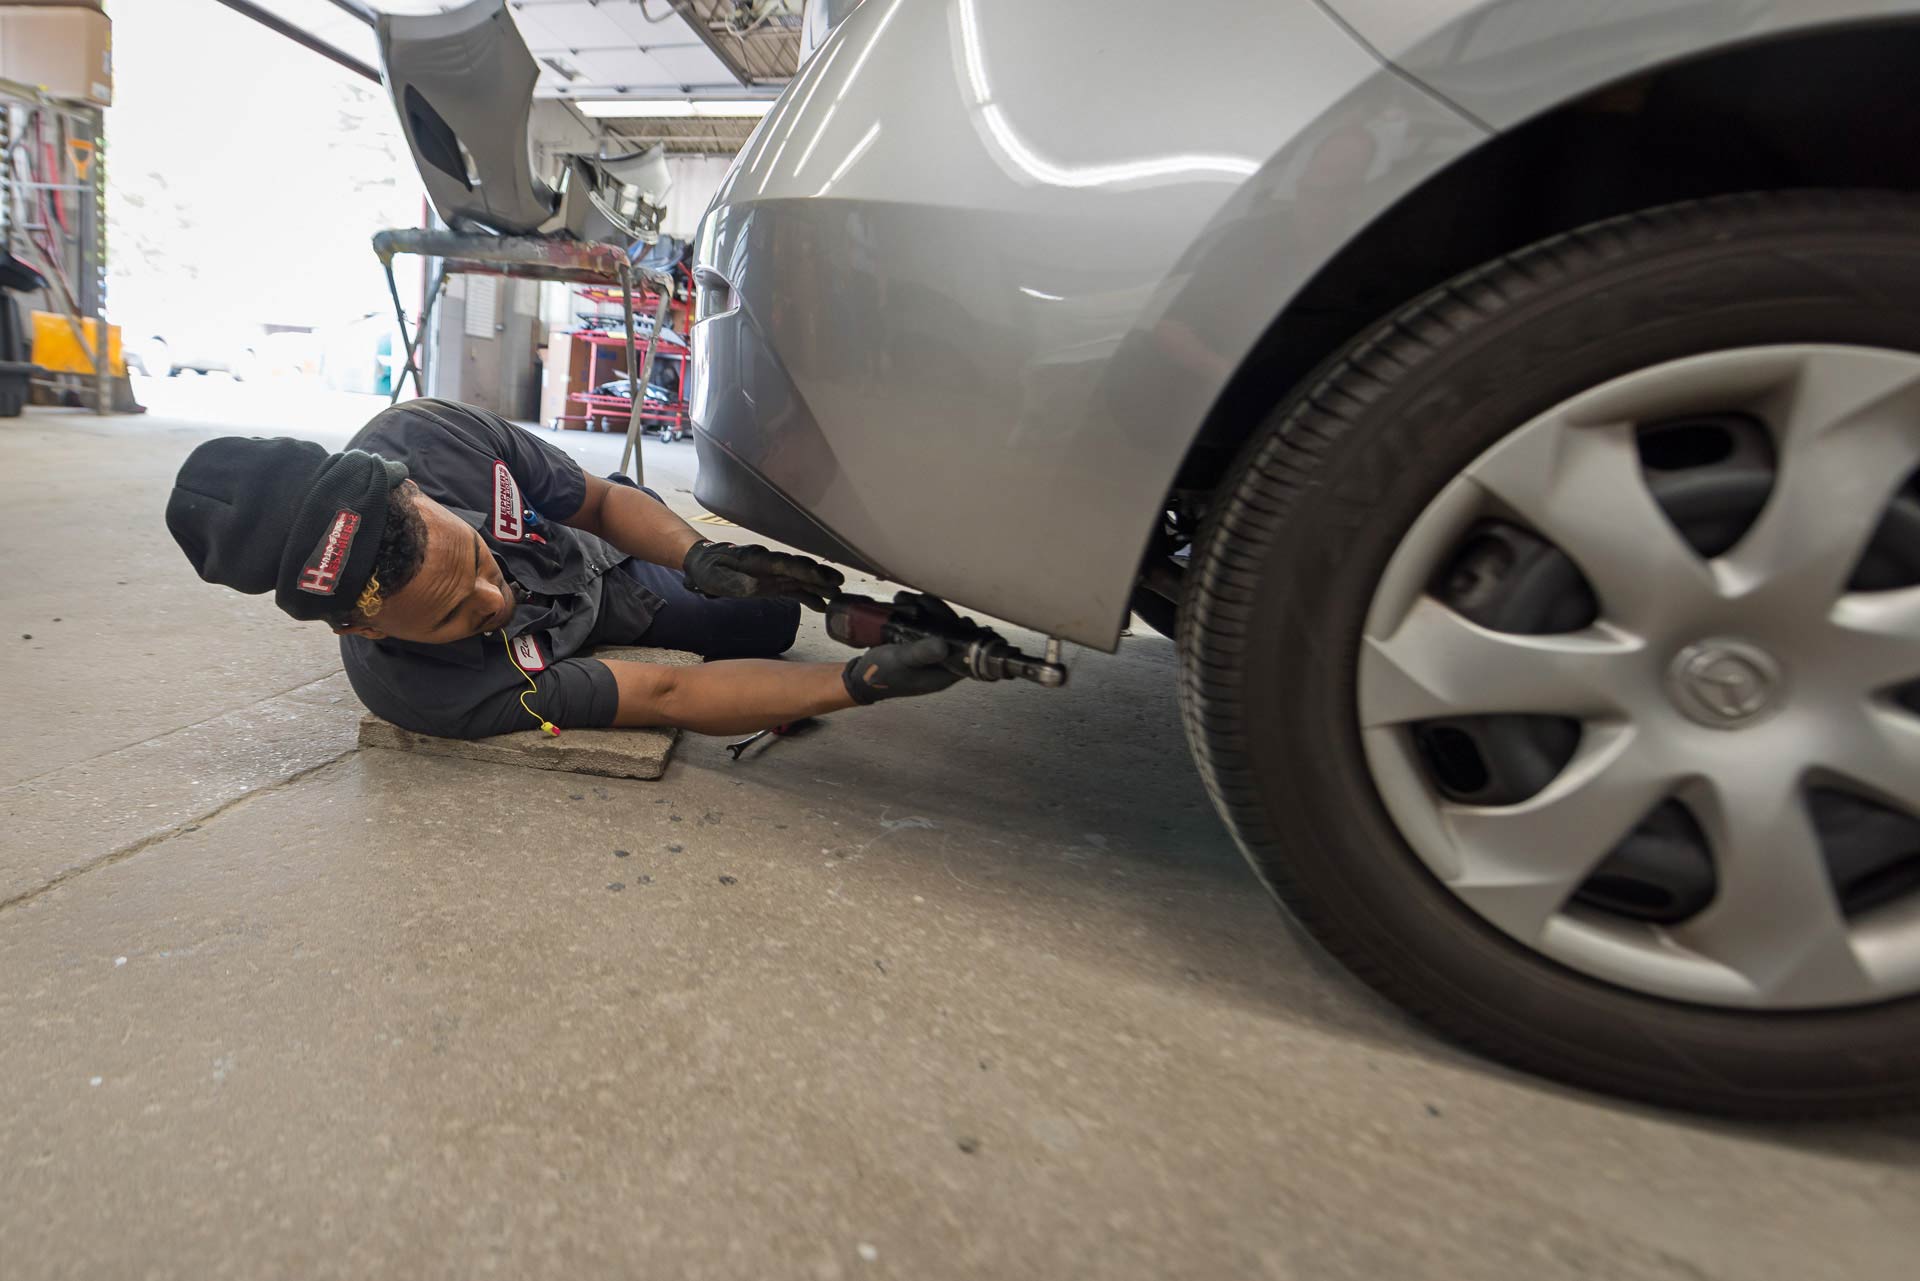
(1505, 61)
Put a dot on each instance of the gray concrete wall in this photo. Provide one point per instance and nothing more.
(494, 369)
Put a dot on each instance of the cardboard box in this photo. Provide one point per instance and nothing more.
(65, 49)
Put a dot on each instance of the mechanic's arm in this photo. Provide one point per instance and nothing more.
(645, 528)
(738, 696)
(637, 524)
(735, 696)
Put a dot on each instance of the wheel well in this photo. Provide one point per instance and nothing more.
(1825, 109)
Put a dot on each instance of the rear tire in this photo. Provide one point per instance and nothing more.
(1320, 501)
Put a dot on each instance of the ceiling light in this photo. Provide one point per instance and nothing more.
(671, 108)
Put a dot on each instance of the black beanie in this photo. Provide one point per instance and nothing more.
(283, 516)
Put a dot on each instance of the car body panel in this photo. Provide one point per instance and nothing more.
(1505, 61)
(462, 82)
(980, 297)
(970, 323)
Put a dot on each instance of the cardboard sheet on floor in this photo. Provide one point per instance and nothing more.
(612, 753)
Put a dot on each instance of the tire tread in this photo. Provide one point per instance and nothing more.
(1280, 467)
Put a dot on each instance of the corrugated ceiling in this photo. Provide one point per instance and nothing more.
(618, 49)
(626, 48)
(610, 48)
(713, 137)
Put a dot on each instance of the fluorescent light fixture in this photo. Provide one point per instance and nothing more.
(671, 108)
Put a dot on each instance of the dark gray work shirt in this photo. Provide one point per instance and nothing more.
(515, 489)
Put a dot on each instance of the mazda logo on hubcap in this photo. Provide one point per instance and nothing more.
(1724, 683)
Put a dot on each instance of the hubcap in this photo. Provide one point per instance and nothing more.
(1724, 684)
(1647, 698)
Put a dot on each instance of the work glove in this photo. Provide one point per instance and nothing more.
(898, 671)
(729, 572)
(930, 613)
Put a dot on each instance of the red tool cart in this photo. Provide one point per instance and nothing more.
(596, 411)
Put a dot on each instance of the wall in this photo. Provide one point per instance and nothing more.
(695, 179)
(490, 361)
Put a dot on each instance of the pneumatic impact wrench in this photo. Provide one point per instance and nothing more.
(975, 651)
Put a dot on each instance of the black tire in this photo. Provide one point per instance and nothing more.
(1318, 502)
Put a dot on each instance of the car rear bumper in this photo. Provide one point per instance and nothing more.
(729, 487)
(960, 325)
(746, 411)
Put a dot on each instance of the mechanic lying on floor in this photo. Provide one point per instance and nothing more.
(466, 565)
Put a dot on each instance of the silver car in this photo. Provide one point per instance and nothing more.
(1513, 410)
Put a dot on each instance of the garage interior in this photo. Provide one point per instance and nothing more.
(980, 987)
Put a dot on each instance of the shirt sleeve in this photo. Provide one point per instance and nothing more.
(450, 702)
(550, 481)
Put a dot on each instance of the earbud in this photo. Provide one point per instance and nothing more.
(547, 727)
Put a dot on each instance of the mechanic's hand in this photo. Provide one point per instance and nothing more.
(935, 615)
(724, 570)
(898, 671)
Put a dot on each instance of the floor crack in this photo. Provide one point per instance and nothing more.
(151, 839)
(127, 747)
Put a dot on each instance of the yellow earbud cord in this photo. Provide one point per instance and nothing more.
(546, 725)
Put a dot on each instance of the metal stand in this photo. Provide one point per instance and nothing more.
(72, 256)
(527, 258)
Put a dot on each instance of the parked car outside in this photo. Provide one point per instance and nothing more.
(202, 350)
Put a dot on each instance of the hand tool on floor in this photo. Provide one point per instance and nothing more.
(778, 731)
(750, 740)
(977, 652)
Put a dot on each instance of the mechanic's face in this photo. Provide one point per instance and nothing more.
(458, 592)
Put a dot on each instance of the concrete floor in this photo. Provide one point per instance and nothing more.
(970, 986)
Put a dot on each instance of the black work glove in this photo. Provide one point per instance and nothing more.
(898, 671)
(726, 571)
(934, 614)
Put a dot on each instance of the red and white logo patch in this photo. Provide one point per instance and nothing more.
(526, 652)
(321, 576)
(509, 526)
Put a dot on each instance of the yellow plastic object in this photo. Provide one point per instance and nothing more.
(56, 350)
